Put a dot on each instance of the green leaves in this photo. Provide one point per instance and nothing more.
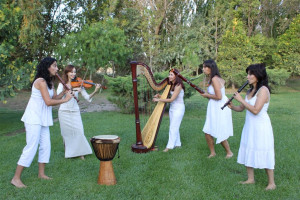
(289, 48)
(95, 46)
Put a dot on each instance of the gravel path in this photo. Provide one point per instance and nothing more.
(99, 103)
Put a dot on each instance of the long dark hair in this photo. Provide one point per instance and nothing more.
(214, 71)
(178, 81)
(259, 71)
(43, 72)
(68, 69)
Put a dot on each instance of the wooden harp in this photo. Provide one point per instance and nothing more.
(145, 139)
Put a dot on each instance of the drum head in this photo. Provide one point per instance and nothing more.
(106, 137)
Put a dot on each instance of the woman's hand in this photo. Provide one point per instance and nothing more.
(157, 96)
(230, 105)
(98, 86)
(77, 89)
(238, 97)
(69, 95)
(205, 95)
(155, 99)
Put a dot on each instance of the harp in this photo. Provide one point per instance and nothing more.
(145, 139)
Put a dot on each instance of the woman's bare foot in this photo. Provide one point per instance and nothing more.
(44, 177)
(82, 157)
(229, 155)
(271, 187)
(166, 150)
(211, 155)
(18, 183)
(247, 182)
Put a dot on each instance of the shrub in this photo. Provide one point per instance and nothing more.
(122, 91)
(277, 77)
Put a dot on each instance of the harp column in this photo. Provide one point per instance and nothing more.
(138, 147)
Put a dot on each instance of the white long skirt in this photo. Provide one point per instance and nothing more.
(72, 132)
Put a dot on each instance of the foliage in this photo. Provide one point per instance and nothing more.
(15, 72)
(44, 24)
(289, 48)
(235, 54)
(122, 90)
(165, 34)
(95, 46)
(130, 21)
(277, 78)
(13, 77)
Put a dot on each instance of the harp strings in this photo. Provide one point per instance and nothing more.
(145, 99)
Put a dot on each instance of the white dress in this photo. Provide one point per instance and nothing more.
(218, 122)
(71, 126)
(176, 113)
(257, 140)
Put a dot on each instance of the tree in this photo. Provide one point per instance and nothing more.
(289, 48)
(14, 70)
(95, 46)
(236, 53)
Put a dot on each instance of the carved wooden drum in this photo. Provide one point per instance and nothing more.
(105, 148)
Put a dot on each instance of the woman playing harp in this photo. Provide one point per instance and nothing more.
(145, 139)
(176, 110)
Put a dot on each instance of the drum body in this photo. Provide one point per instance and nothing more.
(105, 148)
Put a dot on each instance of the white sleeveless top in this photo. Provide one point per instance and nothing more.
(72, 104)
(179, 98)
(37, 112)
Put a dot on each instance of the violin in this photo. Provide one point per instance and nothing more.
(78, 82)
(65, 85)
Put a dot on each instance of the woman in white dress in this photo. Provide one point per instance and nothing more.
(176, 111)
(218, 123)
(257, 140)
(37, 119)
(76, 144)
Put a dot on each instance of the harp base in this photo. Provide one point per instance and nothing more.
(139, 148)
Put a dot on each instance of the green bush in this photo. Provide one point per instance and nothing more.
(122, 91)
(277, 78)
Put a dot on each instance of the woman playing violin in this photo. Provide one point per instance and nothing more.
(76, 144)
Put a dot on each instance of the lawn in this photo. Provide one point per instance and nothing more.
(183, 173)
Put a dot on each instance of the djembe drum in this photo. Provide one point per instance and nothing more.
(105, 148)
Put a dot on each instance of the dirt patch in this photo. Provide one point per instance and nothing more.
(99, 103)
(19, 103)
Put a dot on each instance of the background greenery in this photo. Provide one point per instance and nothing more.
(161, 33)
(183, 173)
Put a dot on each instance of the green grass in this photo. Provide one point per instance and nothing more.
(183, 173)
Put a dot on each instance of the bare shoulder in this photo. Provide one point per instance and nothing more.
(217, 81)
(263, 91)
(264, 94)
(215, 78)
(178, 87)
(39, 82)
